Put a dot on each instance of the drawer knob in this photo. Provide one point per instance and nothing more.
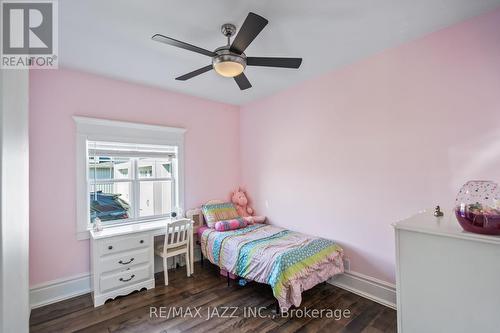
(126, 262)
(110, 247)
(141, 241)
(130, 278)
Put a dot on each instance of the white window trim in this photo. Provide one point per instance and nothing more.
(93, 129)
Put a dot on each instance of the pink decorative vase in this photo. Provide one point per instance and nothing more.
(477, 207)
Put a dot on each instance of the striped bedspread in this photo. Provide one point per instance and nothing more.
(290, 262)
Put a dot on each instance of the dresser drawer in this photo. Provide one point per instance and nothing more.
(119, 244)
(124, 260)
(122, 279)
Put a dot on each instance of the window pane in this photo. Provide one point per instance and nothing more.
(155, 198)
(110, 201)
(154, 168)
(163, 169)
(146, 168)
(108, 168)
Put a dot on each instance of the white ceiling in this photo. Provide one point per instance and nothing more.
(112, 37)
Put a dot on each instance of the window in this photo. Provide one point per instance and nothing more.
(129, 178)
(130, 182)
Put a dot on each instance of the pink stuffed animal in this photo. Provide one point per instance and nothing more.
(240, 201)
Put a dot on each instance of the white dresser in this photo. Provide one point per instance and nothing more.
(122, 259)
(448, 280)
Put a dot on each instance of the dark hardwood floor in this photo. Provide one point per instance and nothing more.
(208, 293)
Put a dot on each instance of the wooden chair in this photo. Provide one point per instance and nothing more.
(176, 242)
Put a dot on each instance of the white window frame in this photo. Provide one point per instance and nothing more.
(94, 129)
(135, 181)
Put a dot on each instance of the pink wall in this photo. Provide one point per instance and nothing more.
(211, 148)
(341, 156)
(345, 155)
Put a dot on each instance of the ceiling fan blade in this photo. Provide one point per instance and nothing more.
(274, 62)
(252, 26)
(242, 81)
(194, 73)
(174, 42)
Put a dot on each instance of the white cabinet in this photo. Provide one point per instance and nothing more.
(448, 280)
(121, 264)
(122, 258)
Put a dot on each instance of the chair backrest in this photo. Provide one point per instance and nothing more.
(177, 233)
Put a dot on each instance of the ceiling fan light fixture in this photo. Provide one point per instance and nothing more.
(229, 65)
(230, 60)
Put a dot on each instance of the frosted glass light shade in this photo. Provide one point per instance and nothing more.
(229, 68)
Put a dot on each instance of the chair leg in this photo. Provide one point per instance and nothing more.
(165, 270)
(188, 265)
(191, 259)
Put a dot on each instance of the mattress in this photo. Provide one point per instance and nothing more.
(290, 262)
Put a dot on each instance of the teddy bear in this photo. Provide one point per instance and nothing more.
(240, 201)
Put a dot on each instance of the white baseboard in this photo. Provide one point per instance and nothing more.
(366, 286)
(65, 288)
(59, 290)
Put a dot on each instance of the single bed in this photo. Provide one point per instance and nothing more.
(290, 262)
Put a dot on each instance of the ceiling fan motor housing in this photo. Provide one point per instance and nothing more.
(224, 54)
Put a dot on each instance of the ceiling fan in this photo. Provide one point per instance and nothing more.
(229, 60)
